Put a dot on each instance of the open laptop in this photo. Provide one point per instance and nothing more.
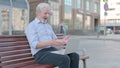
(72, 46)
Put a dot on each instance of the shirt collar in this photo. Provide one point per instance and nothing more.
(38, 21)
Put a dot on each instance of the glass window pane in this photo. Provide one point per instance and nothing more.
(95, 7)
(88, 22)
(19, 20)
(87, 5)
(68, 2)
(4, 24)
(79, 21)
(54, 19)
(55, 9)
(79, 4)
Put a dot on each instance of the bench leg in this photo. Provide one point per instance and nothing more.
(84, 63)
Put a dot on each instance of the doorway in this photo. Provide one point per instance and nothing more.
(96, 24)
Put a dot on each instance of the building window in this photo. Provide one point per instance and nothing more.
(19, 20)
(4, 23)
(14, 17)
(54, 19)
(79, 4)
(95, 7)
(111, 9)
(118, 3)
(55, 8)
(88, 23)
(68, 2)
(79, 21)
(87, 5)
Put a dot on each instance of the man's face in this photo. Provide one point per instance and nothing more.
(44, 14)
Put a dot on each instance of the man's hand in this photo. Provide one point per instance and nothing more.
(61, 42)
(58, 42)
(66, 38)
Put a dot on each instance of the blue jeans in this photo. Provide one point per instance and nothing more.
(44, 56)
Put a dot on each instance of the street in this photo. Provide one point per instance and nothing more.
(103, 53)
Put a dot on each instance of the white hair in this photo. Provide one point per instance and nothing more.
(40, 6)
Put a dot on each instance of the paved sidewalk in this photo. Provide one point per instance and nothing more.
(104, 51)
(103, 54)
(102, 37)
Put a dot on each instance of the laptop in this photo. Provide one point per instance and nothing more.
(72, 46)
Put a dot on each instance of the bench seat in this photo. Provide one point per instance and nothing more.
(15, 53)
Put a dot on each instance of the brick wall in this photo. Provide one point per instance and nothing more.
(33, 4)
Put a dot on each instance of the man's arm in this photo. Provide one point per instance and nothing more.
(54, 42)
(33, 39)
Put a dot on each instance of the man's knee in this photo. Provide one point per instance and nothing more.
(65, 58)
(74, 56)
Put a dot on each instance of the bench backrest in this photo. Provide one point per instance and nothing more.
(15, 52)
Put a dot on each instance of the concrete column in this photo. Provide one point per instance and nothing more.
(10, 18)
(92, 22)
(73, 13)
(84, 13)
(61, 10)
(28, 9)
(0, 23)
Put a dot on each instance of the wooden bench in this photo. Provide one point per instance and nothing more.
(15, 53)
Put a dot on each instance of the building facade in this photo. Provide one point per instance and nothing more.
(78, 15)
(110, 19)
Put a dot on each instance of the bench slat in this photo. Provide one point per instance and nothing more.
(3, 49)
(7, 44)
(21, 56)
(17, 65)
(17, 61)
(8, 53)
(12, 39)
(37, 66)
(12, 36)
(82, 57)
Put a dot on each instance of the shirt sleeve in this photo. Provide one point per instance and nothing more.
(53, 33)
(54, 36)
(32, 36)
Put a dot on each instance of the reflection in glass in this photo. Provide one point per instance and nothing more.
(19, 20)
(79, 21)
(88, 23)
(4, 21)
(54, 19)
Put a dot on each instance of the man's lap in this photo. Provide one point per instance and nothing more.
(47, 57)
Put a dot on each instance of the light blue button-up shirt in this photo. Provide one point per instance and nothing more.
(38, 32)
